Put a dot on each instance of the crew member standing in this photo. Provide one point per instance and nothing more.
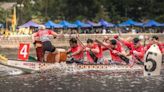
(43, 35)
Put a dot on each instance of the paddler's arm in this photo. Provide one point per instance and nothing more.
(119, 52)
(126, 43)
(75, 53)
(104, 44)
(54, 34)
(80, 49)
(140, 54)
(122, 52)
(96, 50)
(69, 54)
(68, 51)
(123, 41)
(105, 48)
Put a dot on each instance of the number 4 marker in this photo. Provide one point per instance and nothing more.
(23, 52)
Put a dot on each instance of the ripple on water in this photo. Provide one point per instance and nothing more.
(136, 82)
(8, 71)
(59, 88)
(88, 81)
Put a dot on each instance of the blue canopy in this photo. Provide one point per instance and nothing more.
(51, 24)
(105, 23)
(93, 24)
(152, 23)
(81, 24)
(130, 22)
(29, 24)
(162, 24)
(67, 24)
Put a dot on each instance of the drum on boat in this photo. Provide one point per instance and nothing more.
(59, 56)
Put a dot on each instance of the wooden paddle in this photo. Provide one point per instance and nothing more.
(125, 59)
(144, 41)
(80, 42)
(93, 56)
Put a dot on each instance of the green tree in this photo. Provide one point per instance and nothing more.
(102, 14)
(113, 10)
(3, 15)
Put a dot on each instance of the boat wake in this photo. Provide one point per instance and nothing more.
(8, 71)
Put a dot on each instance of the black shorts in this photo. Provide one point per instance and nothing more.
(47, 46)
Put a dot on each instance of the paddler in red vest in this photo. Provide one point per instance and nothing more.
(115, 51)
(136, 50)
(75, 52)
(94, 52)
(154, 40)
(43, 35)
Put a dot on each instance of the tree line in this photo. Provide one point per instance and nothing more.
(114, 11)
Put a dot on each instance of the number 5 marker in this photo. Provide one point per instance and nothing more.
(152, 61)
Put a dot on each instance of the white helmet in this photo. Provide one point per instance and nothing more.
(42, 27)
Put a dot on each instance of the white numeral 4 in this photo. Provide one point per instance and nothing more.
(24, 51)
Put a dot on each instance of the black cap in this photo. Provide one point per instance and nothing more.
(136, 40)
(155, 37)
(113, 42)
(89, 41)
(73, 40)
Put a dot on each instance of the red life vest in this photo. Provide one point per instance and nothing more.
(98, 55)
(78, 56)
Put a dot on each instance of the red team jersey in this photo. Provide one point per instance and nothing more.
(161, 47)
(43, 35)
(78, 56)
(132, 48)
(98, 55)
(114, 56)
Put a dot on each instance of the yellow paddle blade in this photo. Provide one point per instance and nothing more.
(3, 58)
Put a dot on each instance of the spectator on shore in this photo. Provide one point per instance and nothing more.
(104, 31)
(134, 31)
